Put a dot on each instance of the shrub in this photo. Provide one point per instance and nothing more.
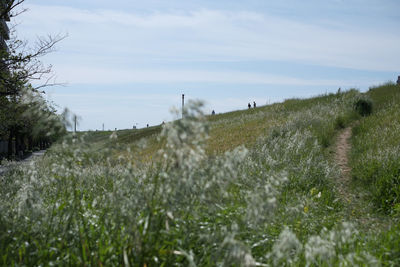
(363, 106)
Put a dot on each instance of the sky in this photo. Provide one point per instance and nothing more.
(127, 63)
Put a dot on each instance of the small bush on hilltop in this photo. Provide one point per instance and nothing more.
(363, 106)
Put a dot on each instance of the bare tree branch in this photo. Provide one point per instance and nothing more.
(50, 81)
(23, 63)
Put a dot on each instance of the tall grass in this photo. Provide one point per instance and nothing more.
(376, 149)
(271, 202)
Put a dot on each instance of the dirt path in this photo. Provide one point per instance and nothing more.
(358, 208)
(355, 208)
(4, 169)
(341, 158)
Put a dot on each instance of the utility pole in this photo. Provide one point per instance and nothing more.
(183, 104)
(75, 119)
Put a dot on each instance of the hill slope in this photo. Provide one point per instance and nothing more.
(247, 188)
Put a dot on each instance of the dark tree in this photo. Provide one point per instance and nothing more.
(25, 116)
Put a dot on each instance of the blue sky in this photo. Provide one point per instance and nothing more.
(128, 62)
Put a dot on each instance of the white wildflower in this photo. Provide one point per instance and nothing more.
(286, 249)
(114, 135)
(319, 250)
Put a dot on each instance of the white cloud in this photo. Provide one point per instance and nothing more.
(98, 75)
(213, 35)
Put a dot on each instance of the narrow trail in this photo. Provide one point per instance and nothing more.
(357, 206)
(341, 158)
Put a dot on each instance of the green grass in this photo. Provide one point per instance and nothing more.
(246, 188)
(232, 129)
(376, 149)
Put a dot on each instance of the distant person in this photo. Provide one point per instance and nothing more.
(213, 112)
(339, 90)
(398, 80)
(254, 104)
(249, 106)
(147, 125)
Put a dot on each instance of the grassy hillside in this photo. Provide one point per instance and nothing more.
(229, 130)
(247, 188)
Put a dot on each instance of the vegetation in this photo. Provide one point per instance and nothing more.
(376, 149)
(27, 120)
(363, 106)
(246, 188)
(186, 194)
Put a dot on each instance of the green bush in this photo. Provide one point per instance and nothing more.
(363, 106)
